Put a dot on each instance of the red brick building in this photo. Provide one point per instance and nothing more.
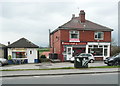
(81, 36)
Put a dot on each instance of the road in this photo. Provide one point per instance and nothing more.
(105, 78)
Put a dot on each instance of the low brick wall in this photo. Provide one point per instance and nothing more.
(99, 58)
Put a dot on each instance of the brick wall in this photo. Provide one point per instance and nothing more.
(85, 36)
(63, 35)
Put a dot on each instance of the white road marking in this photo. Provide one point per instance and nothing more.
(49, 76)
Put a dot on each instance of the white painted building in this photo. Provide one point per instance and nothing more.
(24, 50)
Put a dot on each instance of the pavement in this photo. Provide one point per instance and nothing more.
(54, 72)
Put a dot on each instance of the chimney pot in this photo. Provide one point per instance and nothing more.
(8, 43)
(73, 15)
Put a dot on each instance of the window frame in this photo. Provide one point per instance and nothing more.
(96, 35)
(74, 32)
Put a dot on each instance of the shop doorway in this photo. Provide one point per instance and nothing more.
(69, 53)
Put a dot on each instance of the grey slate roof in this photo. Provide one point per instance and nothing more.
(75, 23)
(22, 43)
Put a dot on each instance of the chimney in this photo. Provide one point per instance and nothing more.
(82, 16)
(73, 16)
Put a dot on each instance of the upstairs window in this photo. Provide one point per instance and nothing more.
(74, 34)
(99, 35)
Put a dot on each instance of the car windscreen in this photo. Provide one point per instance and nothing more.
(85, 55)
(116, 56)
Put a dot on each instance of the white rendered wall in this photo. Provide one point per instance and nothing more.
(33, 56)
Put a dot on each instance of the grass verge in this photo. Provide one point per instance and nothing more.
(60, 68)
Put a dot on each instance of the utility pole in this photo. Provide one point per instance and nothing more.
(49, 39)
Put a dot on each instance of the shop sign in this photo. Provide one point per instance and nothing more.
(74, 40)
(74, 43)
(18, 49)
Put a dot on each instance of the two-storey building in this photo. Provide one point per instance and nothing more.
(81, 36)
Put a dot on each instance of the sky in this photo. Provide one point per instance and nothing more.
(32, 19)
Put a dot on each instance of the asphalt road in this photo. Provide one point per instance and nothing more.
(107, 78)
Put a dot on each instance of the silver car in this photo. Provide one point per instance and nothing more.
(89, 55)
(3, 62)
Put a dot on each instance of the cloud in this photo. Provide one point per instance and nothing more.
(32, 19)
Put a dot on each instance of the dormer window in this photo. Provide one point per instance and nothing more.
(99, 36)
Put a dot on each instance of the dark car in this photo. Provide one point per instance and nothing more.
(113, 61)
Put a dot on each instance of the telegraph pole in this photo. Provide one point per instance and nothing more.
(49, 39)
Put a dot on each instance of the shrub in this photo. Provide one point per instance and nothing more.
(115, 50)
(44, 60)
(42, 56)
(9, 57)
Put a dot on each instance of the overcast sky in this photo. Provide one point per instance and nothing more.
(32, 19)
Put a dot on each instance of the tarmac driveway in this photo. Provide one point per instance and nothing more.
(49, 65)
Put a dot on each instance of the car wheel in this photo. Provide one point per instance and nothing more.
(116, 63)
(91, 61)
(72, 61)
(110, 64)
(0, 64)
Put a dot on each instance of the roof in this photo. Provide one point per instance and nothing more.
(75, 23)
(22, 43)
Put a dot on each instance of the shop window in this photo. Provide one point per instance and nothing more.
(74, 34)
(105, 52)
(96, 51)
(90, 46)
(105, 46)
(100, 46)
(18, 55)
(99, 35)
(95, 46)
(77, 51)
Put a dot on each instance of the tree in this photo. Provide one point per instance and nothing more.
(113, 43)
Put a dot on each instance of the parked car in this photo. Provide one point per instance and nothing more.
(3, 62)
(113, 61)
(89, 55)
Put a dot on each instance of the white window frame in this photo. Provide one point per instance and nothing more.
(74, 32)
(96, 34)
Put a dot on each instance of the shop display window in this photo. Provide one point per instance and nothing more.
(98, 50)
(18, 55)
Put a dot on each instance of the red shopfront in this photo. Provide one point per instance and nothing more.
(70, 49)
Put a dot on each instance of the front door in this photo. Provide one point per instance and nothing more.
(69, 53)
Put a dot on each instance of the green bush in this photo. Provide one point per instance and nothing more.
(44, 60)
(42, 56)
(9, 57)
(115, 50)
